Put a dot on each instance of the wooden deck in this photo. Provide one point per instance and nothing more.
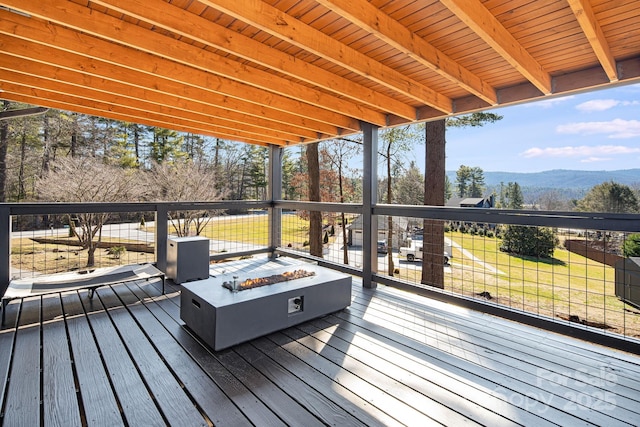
(392, 358)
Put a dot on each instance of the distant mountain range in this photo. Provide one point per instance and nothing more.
(570, 183)
(559, 178)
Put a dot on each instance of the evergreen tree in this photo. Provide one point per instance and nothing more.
(538, 242)
(631, 245)
(609, 197)
(513, 196)
(409, 187)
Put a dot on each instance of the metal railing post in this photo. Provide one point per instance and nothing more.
(275, 193)
(5, 248)
(369, 200)
(162, 233)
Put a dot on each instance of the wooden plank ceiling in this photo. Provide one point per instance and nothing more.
(288, 72)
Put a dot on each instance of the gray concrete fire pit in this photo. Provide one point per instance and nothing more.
(222, 316)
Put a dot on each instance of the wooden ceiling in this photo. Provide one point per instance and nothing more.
(288, 72)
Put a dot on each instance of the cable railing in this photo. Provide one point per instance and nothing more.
(567, 268)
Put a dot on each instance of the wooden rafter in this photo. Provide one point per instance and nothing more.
(279, 24)
(586, 18)
(281, 72)
(235, 93)
(371, 19)
(157, 70)
(476, 16)
(179, 21)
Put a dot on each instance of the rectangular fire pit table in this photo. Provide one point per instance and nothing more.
(223, 318)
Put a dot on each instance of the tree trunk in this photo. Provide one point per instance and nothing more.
(23, 155)
(4, 146)
(433, 243)
(315, 217)
(74, 136)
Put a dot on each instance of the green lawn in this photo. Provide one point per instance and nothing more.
(255, 229)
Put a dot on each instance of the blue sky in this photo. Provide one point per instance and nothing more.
(591, 131)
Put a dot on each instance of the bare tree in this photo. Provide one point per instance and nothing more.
(315, 217)
(338, 153)
(87, 180)
(184, 181)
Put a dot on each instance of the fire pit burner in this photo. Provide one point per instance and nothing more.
(269, 280)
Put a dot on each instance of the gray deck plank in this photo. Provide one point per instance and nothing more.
(135, 401)
(238, 401)
(588, 387)
(420, 389)
(168, 393)
(205, 392)
(99, 401)
(392, 358)
(22, 405)
(554, 403)
(59, 399)
(544, 345)
(7, 339)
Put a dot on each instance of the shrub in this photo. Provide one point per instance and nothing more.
(530, 241)
(117, 251)
(631, 245)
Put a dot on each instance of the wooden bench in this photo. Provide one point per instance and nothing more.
(69, 281)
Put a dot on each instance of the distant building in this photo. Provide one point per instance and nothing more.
(400, 231)
(471, 202)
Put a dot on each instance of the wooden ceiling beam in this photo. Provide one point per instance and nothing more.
(137, 112)
(58, 37)
(124, 81)
(94, 88)
(181, 22)
(81, 18)
(371, 19)
(592, 30)
(70, 103)
(476, 16)
(277, 23)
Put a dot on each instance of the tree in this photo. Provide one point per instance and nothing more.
(513, 196)
(395, 140)
(88, 180)
(338, 153)
(609, 197)
(538, 242)
(432, 269)
(315, 217)
(166, 145)
(463, 176)
(183, 181)
(470, 181)
(409, 187)
(631, 245)
(472, 120)
(434, 191)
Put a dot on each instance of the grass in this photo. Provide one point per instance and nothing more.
(565, 285)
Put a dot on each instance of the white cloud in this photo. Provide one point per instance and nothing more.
(596, 159)
(617, 128)
(551, 102)
(603, 104)
(597, 153)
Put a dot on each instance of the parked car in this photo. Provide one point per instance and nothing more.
(382, 247)
(414, 252)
